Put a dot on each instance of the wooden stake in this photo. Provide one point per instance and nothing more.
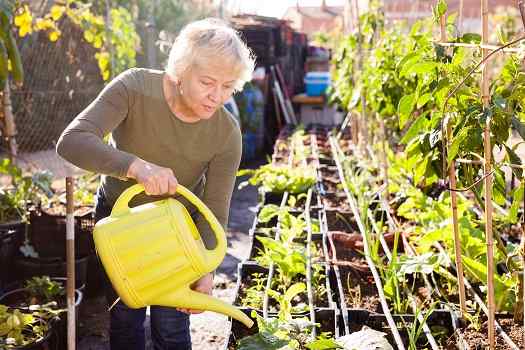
(488, 180)
(384, 156)
(454, 203)
(460, 17)
(363, 127)
(9, 123)
(70, 253)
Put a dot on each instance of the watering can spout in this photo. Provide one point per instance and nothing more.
(191, 299)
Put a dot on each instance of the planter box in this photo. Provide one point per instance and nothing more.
(54, 267)
(244, 272)
(47, 233)
(15, 297)
(12, 236)
(327, 319)
(326, 300)
(337, 220)
(440, 322)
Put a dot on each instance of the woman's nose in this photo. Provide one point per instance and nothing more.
(214, 95)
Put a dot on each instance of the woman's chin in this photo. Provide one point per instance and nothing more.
(206, 114)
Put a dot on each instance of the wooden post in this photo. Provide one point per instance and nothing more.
(454, 201)
(363, 127)
(488, 180)
(70, 254)
(385, 156)
(9, 123)
(108, 40)
(460, 17)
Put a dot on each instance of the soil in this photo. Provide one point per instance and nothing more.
(359, 290)
(338, 220)
(321, 299)
(328, 172)
(478, 340)
(317, 252)
(330, 184)
(60, 210)
(242, 292)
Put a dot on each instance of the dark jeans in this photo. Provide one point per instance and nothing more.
(170, 329)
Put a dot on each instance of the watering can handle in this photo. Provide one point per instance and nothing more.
(217, 254)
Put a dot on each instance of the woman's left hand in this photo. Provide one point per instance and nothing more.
(203, 285)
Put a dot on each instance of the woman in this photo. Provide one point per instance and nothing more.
(167, 127)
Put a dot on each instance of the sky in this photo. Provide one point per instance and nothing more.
(274, 8)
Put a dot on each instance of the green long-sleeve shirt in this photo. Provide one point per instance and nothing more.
(204, 156)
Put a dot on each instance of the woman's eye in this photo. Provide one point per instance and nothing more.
(206, 83)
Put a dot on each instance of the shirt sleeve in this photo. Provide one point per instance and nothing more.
(82, 142)
(220, 180)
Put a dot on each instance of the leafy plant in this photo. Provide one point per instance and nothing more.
(43, 289)
(275, 333)
(289, 262)
(285, 300)
(280, 179)
(255, 294)
(20, 327)
(121, 36)
(23, 190)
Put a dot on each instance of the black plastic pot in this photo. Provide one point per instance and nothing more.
(244, 272)
(272, 198)
(327, 300)
(13, 298)
(47, 233)
(11, 237)
(54, 267)
(337, 220)
(326, 318)
(440, 322)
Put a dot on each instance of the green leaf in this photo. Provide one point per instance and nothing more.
(423, 99)
(405, 108)
(470, 38)
(294, 290)
(503, 288)
(323, 344)
(268, 212)
(415, 129)
(421, 68)
(519, 126)
(514, 159)
(457, 142)
(261, 341)
(439, 10)
(517, 201)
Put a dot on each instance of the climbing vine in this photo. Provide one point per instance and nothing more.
(119, 41)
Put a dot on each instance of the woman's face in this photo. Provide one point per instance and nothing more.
(205, 89)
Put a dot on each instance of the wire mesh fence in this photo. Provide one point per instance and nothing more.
(61, 79)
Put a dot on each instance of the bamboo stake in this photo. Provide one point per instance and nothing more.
(523, 262)
(460, 17)
(363, 127)
(70, 249)
(9, 123)
(384, 155)
(488, 179)
(454, 203)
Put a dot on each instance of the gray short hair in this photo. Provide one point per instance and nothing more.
(206, 39)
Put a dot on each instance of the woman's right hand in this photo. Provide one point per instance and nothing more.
(157, 180)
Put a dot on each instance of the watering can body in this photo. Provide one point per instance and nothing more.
(152, 253)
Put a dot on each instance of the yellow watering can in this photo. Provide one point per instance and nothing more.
(152, 253)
